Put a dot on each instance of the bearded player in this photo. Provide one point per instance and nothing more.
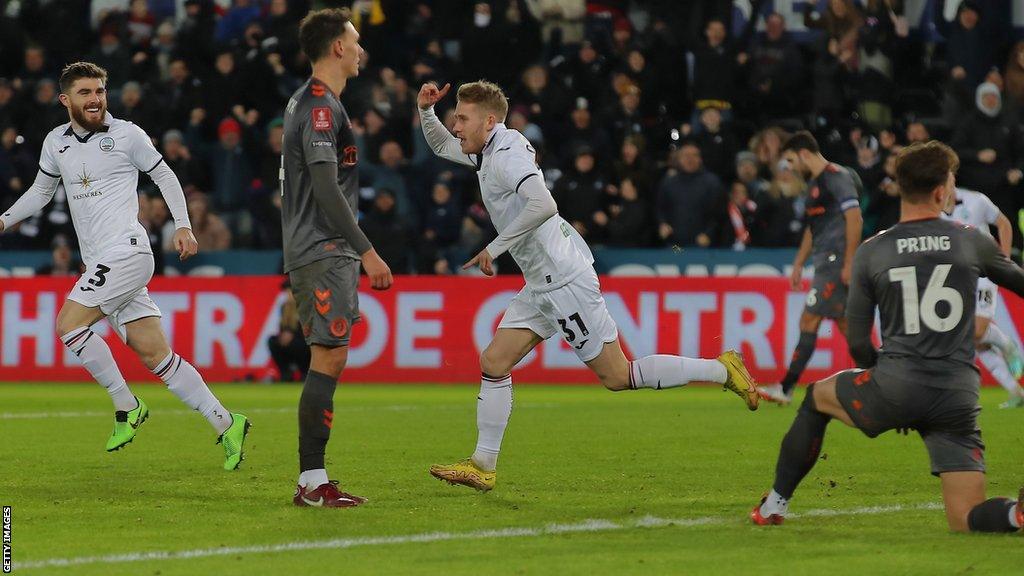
(99, 157)
(562, 293)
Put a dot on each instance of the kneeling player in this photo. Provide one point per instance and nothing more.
(922, 274)
(562, 294)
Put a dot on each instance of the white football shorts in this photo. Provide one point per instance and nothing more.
(118, 288)
(988, 298)
(576, 310)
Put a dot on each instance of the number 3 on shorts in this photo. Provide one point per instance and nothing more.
(570, 335)
(812, 297)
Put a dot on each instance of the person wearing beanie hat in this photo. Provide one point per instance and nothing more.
(991, 150)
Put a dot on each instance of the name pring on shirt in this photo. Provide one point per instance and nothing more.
(922, 244)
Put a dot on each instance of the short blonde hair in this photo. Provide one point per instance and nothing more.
(487, 95)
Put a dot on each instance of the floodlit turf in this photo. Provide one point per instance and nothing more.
(572, 454)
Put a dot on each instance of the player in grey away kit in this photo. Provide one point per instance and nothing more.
(323, 244)
(832, 234)
(922, 275)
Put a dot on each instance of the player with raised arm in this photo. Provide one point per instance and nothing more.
(323, 244)
(562, 293)
(99, 158)
(922, 275)
(831, 237)
(997, 351)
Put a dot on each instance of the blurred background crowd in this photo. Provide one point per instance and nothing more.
(657, 122)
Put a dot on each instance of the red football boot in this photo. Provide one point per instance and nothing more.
(771, 520)
(326, 496)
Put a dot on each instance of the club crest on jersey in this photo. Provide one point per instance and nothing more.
(322, 119)
(106, 144)
(350, 157)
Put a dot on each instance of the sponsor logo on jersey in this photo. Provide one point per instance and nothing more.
(106, 144)
(322, 118)
(350, 156)
(85, 180)
(322, 143)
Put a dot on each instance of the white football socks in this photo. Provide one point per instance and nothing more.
(97, 359)
(994, 336)
(313, 479)
(185, 382)
(662, 371)
(774, 504)
(493, 408)
(996, 365)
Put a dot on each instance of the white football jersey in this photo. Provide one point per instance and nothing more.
(100, 172)
(550, 256)
(974, 209)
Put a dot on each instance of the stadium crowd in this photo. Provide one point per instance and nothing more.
(656, 123)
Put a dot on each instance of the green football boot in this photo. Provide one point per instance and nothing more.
(126, 425)
(233, 439)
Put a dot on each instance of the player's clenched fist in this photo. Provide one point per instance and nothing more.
(377, 270)
(185, 243)
(430, 95)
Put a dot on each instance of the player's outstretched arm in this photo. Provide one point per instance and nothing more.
(33, 200)
(438, 137)
(331, 202)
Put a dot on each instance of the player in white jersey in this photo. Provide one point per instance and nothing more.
(99, 157)
(562, 293)
(997, 351)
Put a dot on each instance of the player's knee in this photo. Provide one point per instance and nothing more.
(329, 360)
(64, 326)
(492, 364)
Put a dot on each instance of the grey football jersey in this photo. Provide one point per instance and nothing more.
(922, 276)
(831, 194)
(316, 129)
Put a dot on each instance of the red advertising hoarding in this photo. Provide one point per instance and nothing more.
(431, 329)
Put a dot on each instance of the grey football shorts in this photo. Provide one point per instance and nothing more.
(327, 299)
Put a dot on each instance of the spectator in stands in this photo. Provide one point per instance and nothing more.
(395, 174)
(627, 221)
(547, 102)
(190, 171)
(223, 88)
(775, 71)
(690, 202)
(389, 234)
(871, 170)
(625, 119)
(972, 43)
(8, 105)
(747, 174)
(715, 69)
(42, 114)
(717, 143)
(990, 146)
(917, 132)
(195, 34)
(583, 131)
(841, 23)
(230, 169)
(780, 208)
(267, 189)
(113, 57)
(155, 218)
(561, 23)
(141, 24)
(518, 120)
(587, 73)
(580, 194)
(36, 67)
(131, 106)
(1014, 91)
(288, 348)
(62, 263)
(442, 224)
(741, 218)
(232, 24)
(210, 230)
(767, 147)
(883, 203)
(632, 165)
(17, 167)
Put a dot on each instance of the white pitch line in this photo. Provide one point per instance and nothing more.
(351, 408)
(427, 537)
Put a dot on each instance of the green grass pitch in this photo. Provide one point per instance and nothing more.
(589, 482)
